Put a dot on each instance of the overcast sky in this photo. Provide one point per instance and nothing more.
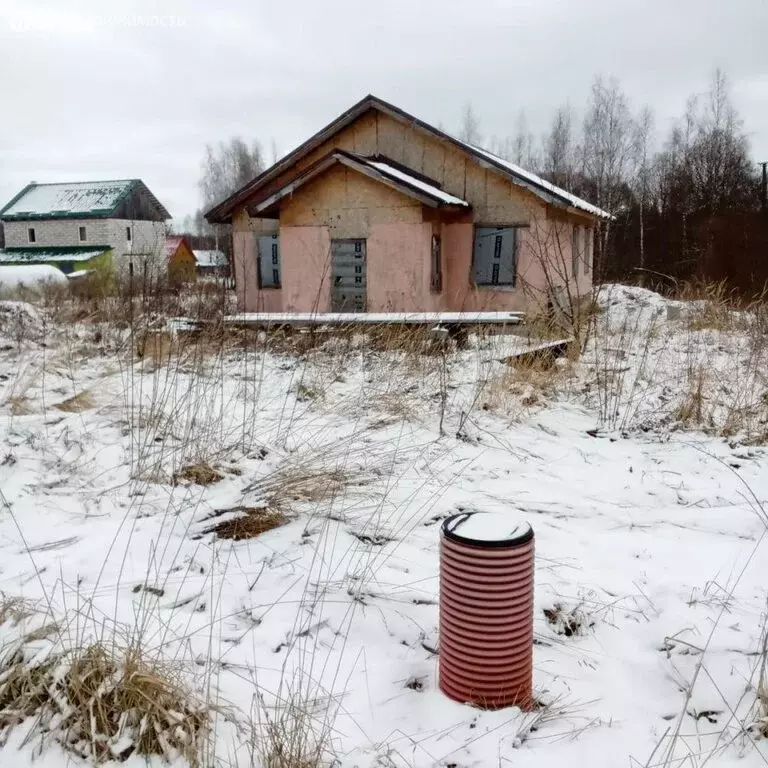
(137, 91)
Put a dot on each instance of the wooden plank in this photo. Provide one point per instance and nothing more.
(375, 318)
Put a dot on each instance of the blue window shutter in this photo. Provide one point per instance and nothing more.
(494, 256)
(268, 260)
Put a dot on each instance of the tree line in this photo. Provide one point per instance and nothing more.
(685, 205)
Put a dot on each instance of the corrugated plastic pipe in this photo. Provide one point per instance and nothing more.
(486, 610)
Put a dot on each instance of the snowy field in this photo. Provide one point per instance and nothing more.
(641, 468)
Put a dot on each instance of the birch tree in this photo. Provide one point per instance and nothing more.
(470, 126)
(608, 153)
(643, 139)
(559, 149)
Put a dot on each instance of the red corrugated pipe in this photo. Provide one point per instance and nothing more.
(486, 610)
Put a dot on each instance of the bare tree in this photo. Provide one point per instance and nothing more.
(523, 150)
(559, 149)
(470, 127)
(226, 167)
(718, 156)
(643, 139)
(609, 148)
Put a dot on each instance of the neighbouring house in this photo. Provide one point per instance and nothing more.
(182, 267)
(85, 225)
(380, 211)
(213, 263)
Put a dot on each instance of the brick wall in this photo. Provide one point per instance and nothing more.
(147, 237)
(56, 232)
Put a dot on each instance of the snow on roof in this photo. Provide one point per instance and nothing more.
(210, 258)
(172, 242)
(413, 181)
(40, 255)
(537, 181)
(94, 198)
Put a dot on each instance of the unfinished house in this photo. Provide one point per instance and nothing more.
(74, 225)
(381, 212)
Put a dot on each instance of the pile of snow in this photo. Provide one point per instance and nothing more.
(621, 302)
(658, 363)
(30, 277)
(210, 258)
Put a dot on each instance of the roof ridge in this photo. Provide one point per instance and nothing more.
(84, 181)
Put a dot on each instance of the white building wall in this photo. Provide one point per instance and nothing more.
(147, 243)
(56, 233)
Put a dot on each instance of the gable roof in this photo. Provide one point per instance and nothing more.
(77, 200)
(530, 181)
(418, 187)
(172, 243)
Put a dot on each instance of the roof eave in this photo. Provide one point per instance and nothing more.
(102, 214)
(14, 200)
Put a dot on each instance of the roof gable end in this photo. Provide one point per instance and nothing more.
(380, 169)
(530, 181)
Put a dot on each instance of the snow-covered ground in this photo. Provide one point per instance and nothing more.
(648, 520)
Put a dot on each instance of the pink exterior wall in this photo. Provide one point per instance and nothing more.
(399, 270)
(249, 297)
(460, 292)
(543, 262)
(305, 253)
(397, 262)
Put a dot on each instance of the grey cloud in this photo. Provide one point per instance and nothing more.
(139, 91)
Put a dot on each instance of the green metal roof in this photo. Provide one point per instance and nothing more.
(50, 254)
(74, 200)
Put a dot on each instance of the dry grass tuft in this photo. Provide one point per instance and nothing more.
(157, 348)
(19, 405)
(82, 401)
(201, 473)
(252, 522)
(691, 410)
(568, 622)
(523, 384)
(295, 735)
(14, 609)
(299, 483)
(102, 707)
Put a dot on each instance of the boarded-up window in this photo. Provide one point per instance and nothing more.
(575, 251)
(268, 261)
(588, 245)
(436, 280)
(83, 235)
(495, 255)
